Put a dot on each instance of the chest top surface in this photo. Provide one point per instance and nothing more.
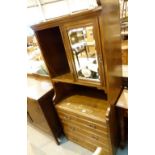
(37, 87)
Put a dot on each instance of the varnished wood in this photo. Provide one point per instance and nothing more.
(111, 46)
(88, 138)
(124, 45)
(89, 105)
(66, 18)
(40, 108)
(123, 100)
(68, 78)
(112, 124)
(37, 87)
(53, 51)
(37, 116)
(89, 127)
(93, 135)
(83, 121)
(122, 105)
(82, 105)
(124, 52)
(83, 141)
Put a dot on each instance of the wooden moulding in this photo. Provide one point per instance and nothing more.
(66, 18)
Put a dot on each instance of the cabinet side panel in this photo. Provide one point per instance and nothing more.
(111, 46)
(51, 115)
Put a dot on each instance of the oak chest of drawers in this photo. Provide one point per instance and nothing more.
(84, 121)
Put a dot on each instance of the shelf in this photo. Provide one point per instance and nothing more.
(68, 78)
(64, 78)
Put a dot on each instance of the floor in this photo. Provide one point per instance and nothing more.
(40, 143)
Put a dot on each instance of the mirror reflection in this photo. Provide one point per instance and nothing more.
(85, 56)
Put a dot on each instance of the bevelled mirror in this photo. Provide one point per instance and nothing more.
(84, 52)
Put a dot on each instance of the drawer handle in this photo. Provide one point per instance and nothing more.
(94, 137)
(67, 118)
(72, 128)
(92, 126)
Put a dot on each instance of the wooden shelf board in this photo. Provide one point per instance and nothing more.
(68, 78)
(63, 78)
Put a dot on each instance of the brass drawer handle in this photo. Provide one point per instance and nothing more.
(94, 137)
(73, 128)
(67, 118)
(92, 126)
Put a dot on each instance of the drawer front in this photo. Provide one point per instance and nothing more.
(83, 126)
(84, 142)
(102, 121)
(75, 118)
(93, 139)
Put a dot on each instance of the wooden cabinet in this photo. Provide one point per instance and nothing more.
(40, 110)
(36, 115)
(84, 119)
(83, 55)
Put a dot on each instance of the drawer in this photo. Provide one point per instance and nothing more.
(84, 142)
(92, 138)
(85, 127)
(100, 120)
(75, 118)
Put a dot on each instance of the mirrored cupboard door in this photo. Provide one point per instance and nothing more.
(82, 43)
